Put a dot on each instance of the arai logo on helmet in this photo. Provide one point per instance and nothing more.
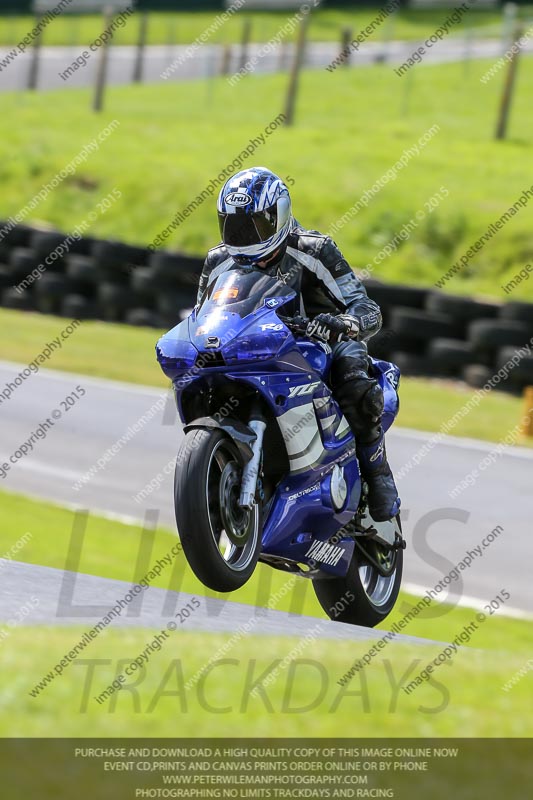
(238, 199)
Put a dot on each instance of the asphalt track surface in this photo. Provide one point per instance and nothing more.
(83, 600)
(439, 530)
(207, 61)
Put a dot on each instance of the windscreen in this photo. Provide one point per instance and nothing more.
(242, 291)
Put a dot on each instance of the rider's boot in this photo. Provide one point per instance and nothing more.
(383, 500)
(361, 400)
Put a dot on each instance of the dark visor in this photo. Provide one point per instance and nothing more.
(242, 229)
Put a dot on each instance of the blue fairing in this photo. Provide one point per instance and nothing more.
(258, 337)
(254, 347)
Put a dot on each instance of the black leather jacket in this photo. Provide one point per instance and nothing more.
(315, 268)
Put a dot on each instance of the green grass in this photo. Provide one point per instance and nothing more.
(184, 28)
(110, 549)
(425, 404)
(168, 148)
(130, 351)
(464, 699)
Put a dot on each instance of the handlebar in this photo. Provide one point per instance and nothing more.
(296, 324)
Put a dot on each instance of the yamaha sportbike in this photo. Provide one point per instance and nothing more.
(267, 470)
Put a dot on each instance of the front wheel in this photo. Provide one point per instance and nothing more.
(364, 596)
(221, 540)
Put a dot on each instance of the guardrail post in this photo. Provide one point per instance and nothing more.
(141, 45)
(527, 423)
(33, 75)
(508, 88)
(292, 91)
(346, 41)
(245, 42)
(101, 74)
(225, 63)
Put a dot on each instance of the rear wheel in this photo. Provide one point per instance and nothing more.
(221, 540)
(367, 593)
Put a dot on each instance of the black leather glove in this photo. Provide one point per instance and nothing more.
(331, 328)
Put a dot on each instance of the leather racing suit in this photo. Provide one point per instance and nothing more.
(313, 266)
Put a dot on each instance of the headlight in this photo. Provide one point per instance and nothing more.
(255, 347)
(175, 355)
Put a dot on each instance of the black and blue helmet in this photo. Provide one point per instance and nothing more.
(254, 214)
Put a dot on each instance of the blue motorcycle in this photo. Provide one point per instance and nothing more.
(267, 469)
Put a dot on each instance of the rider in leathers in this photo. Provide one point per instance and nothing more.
(257, 228)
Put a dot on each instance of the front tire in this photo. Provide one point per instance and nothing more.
(221, 541)
(363, 596)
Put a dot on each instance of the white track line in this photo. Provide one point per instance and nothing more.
(469, 602)
(460, 441)
(406, 433)
(102, 383)
(416, 589)
(112, 516)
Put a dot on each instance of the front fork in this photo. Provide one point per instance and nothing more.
(251, 469)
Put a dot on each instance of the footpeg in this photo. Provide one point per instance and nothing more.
(386, 533)
(400, 543)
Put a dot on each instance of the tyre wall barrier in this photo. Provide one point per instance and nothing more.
(95, 279)
(425, 331)
(429, 333)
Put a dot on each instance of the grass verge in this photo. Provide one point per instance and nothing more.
(465, 699)
(393, 114)
(184, 28)
(110, 549)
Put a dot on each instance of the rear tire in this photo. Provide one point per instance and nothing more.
(362, 596)
(220, 540)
